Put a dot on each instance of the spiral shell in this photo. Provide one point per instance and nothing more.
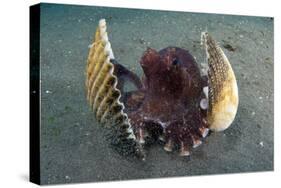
(101, 85)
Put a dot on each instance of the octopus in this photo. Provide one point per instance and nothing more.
(174, 101)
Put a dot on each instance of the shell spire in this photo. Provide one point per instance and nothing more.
(101, 85)
(223, 91)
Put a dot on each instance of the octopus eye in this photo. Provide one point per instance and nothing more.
(175, 62)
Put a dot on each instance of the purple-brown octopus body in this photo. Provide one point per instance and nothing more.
(173, 101)
(167, 103)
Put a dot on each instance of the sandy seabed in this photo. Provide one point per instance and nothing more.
(73, 145)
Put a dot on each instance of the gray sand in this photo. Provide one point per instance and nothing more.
(73, 145)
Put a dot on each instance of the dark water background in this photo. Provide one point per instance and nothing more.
(73, 145)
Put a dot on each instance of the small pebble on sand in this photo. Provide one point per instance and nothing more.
(87, 133)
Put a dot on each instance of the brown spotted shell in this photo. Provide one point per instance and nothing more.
(223, 90)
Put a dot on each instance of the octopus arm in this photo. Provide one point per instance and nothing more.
(123, 75)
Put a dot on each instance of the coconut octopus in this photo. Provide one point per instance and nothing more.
(174, 101)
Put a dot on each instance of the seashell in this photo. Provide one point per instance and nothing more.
(223, 90)
(101, 85)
